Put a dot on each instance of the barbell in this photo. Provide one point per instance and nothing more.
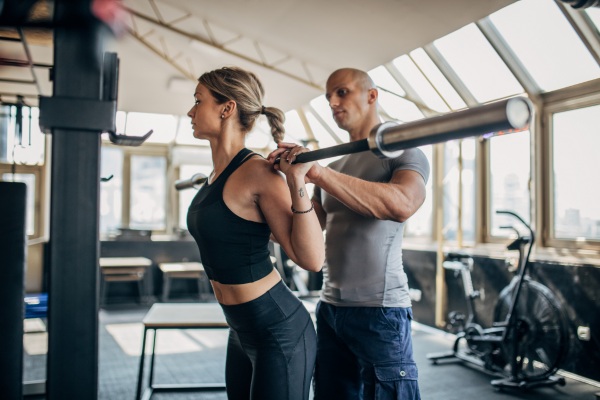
(389, 139)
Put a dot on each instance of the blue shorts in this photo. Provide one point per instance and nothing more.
(364, 353)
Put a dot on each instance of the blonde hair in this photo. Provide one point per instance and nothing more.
(243, 87)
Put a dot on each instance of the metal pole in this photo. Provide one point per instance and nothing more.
(72, 371)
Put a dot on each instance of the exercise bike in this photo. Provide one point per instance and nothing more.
(529, 337)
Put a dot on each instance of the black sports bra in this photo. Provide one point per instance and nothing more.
(233, 250)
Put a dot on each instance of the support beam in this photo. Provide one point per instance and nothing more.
(73, 279)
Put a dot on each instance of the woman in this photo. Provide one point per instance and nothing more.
(272, 342)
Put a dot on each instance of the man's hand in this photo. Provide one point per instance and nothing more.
(287, 153)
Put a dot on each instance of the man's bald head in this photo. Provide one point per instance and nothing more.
(360, 77)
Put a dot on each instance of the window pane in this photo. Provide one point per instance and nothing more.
(111, 192)
(510, 171)
(594, 14)
(260, 137)
(576, 140)
(29, 180)
(399, 108)
(164, 126)
(324, 138)
(384, 79)
(477, 64)
(186, 196)
(420, 224)
(321, 106)
(436, 77)
(29, 148)
(451, 189)
(148, 192)
(419, 83)
(294, 129)
(185, 135)
(546, 44)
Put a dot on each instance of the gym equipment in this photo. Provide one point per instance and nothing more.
(581, 4)
(194, 182)
(390, 139)
(528, 340)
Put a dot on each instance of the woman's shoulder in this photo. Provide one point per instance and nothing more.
(259, 168)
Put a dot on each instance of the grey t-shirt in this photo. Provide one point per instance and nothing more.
(364, 255)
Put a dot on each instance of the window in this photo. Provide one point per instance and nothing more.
(594, 14)
(546, 44)
(420, 225)
(148, 192)
(164, 126)
(454, 151)
(437, 79)
(321, 107)
(510, 171)
(576, 192)
(25, 146)
(419, 83)
(478, 65)
(111, 191)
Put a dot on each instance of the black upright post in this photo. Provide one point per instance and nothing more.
(13, 243)
(72, 371)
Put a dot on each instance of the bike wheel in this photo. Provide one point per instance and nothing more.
(541, 328)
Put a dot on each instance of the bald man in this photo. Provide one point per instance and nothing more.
(364, 345)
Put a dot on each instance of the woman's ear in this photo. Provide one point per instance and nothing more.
(229, 109)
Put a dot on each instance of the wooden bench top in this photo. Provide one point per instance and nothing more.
(181, 267)
(185, 315)
(124, 262)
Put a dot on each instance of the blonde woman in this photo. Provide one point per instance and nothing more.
(272, 343)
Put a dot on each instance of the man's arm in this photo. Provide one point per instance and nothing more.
(395, 200)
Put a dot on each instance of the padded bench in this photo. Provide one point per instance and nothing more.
(177, 316)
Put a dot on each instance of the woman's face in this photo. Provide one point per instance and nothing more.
(205, 114)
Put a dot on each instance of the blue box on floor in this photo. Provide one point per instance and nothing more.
(36, 305)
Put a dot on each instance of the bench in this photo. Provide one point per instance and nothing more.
(177, 316)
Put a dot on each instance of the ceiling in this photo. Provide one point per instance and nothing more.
(291, 44)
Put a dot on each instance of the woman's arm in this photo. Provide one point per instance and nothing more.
(299, 233)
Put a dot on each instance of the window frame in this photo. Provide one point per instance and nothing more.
(152, 150)
(573, 98)
(40, 209)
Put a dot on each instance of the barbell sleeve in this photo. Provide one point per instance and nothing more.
(389, 139)
(511, 114)
(196, 179)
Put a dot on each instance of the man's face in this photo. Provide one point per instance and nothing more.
(348, 99)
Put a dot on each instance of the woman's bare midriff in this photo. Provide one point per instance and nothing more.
(245, 292)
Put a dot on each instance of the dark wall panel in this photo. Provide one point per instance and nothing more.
(13, 242)
(577, 287)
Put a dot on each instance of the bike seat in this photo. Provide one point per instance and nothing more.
(516, 244)
(456, 256)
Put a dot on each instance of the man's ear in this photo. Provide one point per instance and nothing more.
(373, 94)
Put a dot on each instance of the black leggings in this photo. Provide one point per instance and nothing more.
(272, 348)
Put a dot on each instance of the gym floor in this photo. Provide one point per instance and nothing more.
(198, 355)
